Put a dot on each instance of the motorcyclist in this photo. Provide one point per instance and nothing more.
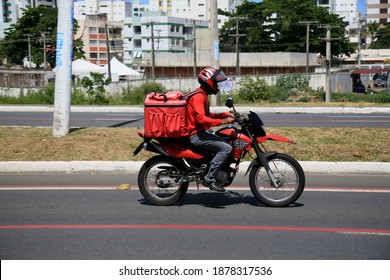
(200, 121)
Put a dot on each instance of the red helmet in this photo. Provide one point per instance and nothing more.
(210, 77)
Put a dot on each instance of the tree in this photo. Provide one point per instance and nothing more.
(36, 25)
(372, 28)
(383, 38)
(274, 25)
(252, 22)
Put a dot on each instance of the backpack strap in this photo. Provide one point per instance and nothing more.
(187, 95)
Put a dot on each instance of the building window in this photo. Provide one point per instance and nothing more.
(93, 55)
(92, 30)
(323, 2)
(92, 42)
(137, 29)
(137, 43)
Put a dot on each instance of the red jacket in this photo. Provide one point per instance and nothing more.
(198, 113)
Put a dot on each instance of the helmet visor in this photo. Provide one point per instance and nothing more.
(225, 86)
(219, 76)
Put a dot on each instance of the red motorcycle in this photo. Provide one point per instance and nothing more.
(275, 179)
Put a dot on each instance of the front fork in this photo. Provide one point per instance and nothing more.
(264, 162)
(262, 159)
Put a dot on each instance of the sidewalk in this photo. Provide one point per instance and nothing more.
(133, 167)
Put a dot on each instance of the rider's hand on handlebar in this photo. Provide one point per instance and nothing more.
(228, 120)
(231, 114)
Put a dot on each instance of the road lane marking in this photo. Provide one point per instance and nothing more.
(380, 232)
(201, 188)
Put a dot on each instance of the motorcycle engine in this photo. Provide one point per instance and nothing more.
(222, 177)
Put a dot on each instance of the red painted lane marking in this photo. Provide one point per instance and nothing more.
(134, 187)
(62, 187)
(73, 119)
(173, 226)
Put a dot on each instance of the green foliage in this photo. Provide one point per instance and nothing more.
(136, 95)
(253, 89)
(36, 23)
(285, 34)
(42, 96)
(289, 84)
(293, 81)
(95, 88)
(383, 38)
(380, 97)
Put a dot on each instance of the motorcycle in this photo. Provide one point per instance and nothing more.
(275, 179)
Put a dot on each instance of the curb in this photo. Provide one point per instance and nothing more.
(257, 109)
(133, 167)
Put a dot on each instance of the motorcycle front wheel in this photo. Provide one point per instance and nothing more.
(289, 176)
(160, 182)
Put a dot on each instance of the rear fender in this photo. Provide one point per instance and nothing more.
(257, 161)
(151, 147)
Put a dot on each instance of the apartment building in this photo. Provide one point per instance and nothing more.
(378, 10)
(193, 9)
(347, 9)
(7, 11)
(103, 39)
(116, 10)
(12, 10)
(165, 34)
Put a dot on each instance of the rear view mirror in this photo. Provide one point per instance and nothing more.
(229, 102)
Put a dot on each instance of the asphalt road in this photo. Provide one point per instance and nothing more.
(135, 119)
(81, 216)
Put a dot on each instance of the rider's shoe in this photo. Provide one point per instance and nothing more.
(213, 186)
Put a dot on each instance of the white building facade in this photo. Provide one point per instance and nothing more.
(347, 9)
(193, 9)
(378, 10)
(165, 34)
(116, 10)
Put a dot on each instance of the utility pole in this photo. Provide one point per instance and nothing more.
(29, 50)
(328, 64)
(108, 52)
(359, 46)
(214, 48)
(308, 23)
(43, 34)
(194, 47)
(152, 51)
(64, 57)
(237, 35)
(328, 60)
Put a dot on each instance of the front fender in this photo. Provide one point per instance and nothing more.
(257, 161)
(274, 137)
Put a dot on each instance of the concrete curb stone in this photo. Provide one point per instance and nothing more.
(133, 167)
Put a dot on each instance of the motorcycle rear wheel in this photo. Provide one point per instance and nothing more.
(289, 176)
(159, 181)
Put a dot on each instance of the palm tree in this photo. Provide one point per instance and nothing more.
(373, 28)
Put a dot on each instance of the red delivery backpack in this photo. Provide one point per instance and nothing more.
(166, 114)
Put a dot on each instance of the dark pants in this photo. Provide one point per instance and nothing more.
(207, 140)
